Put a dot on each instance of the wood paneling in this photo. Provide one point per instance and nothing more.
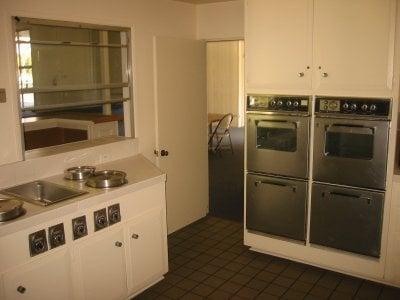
(53, 136)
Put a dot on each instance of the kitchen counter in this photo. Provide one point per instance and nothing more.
(141, 173)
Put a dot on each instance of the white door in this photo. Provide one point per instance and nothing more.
(103, 266)
(48, 277)
(148, 249)
(181, 103)
(354, 44)
(278, 46)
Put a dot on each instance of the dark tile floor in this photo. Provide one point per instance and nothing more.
(208, 260)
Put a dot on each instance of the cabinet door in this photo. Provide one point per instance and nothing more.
(278, 44)
(44, 278)
(392, 269)
(103, 266)
(354, 45)
(147, 248)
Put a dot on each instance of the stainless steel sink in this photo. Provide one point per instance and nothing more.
(42, 192)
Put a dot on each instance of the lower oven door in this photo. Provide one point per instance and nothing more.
(347, 218)
(351, 152)
(276, 206)
(278, 144)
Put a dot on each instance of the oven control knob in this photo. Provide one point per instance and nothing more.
(353, 106)
(364, 107)
(39, 246)
(101, 220)
(280, 103)
(289, 103)
(295, 103)
(372, 107)
(80, 229)
(272, 103)
(346, 106)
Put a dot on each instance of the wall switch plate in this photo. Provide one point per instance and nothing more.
(3, 96)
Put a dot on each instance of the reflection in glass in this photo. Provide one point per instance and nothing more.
(279, 139)
(73, 80)
(349, 145)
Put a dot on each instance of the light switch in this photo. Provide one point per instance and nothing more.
(2, 95)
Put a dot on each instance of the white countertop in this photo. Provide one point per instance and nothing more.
(140, 172)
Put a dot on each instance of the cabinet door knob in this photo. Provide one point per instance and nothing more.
(300, 74)
(325, 74)
(21, 289)
(118, 244)
(135, 236)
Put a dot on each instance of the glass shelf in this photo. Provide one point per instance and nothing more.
(69, 43)
(50, 89)
(62, 106)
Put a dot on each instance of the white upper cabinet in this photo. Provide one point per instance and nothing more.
(278, 44)
(353, 45)
(321, 46)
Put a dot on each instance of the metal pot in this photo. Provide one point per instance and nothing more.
(10, 208)
(79, 173)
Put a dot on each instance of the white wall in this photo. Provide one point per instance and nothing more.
(221, 21)
(148, 17)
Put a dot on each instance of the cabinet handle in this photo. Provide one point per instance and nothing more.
(118, 244)
(300, 74)
(325, 74)
(135, 236)
(21, 289)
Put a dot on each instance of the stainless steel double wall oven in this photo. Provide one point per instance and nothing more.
(350, 145)
(349, 172)
(277, 164)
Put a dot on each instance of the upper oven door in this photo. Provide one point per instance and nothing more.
(351, 152)
(278, 144)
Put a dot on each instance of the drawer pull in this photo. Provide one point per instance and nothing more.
(118, 244)
(135, 236)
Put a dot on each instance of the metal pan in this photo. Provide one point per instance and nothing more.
(79, 173)
(10, 208)
(106, 179)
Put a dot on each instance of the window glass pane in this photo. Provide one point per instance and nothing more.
(349, 145)
(74, 74)
(279, 139)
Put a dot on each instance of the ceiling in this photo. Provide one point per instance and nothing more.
(202, 1)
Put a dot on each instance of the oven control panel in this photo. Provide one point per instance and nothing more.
(355, 106)
(276, 103)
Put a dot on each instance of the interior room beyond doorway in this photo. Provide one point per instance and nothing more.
(225, 95)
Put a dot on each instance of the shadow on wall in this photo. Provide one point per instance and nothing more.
(226, 179)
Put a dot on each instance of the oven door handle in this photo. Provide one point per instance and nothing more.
(280, 124)
(342, 194)
(270, 182)
(349, 128)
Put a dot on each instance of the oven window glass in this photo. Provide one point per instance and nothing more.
(279, 139)
(349, 145)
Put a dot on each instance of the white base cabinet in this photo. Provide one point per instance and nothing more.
(147, 249)
(116, 262)
(47, 277)
(102, 264)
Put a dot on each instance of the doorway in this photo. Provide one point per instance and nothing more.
(225, 95)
